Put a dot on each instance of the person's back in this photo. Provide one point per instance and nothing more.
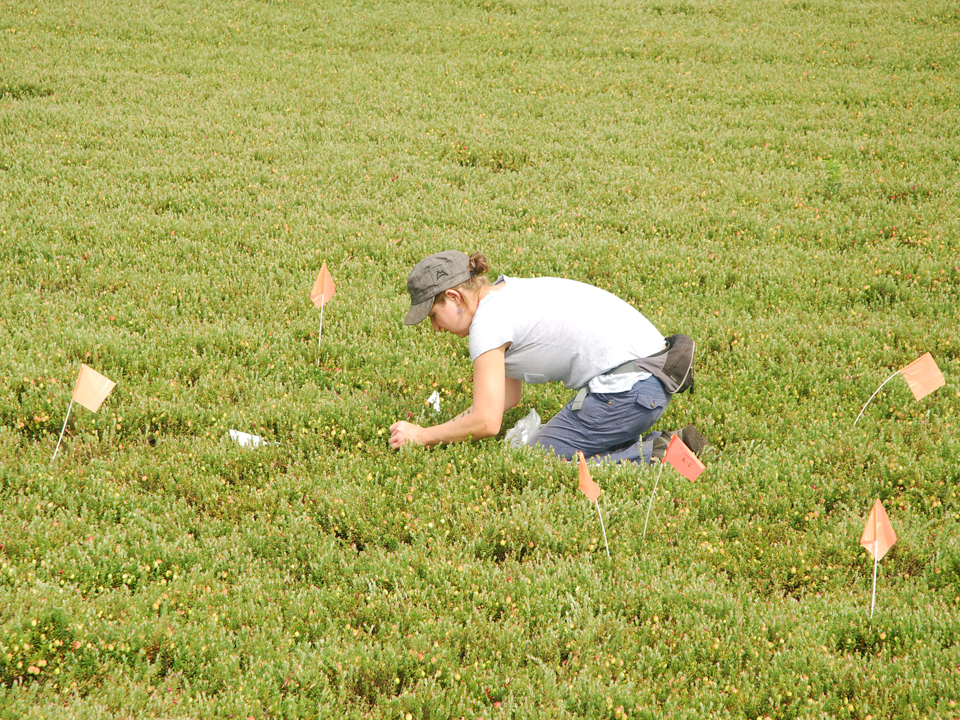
(561, 330)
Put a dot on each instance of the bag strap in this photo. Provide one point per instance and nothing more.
(580, 397)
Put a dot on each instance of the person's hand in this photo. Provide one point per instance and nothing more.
(404, 433)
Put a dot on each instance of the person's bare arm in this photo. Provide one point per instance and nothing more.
(491, 393)
(513, 389)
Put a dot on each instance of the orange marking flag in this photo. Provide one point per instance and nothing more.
(683, 459)
(878, 536)
(923, 376)
(92, 388)
(587, 486)
(323, 288)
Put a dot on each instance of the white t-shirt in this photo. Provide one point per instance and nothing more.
(563, 331)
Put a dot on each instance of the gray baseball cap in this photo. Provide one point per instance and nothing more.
(430, 277)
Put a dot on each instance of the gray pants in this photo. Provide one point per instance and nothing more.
(608, 426)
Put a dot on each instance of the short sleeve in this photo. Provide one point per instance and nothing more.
(491, 327)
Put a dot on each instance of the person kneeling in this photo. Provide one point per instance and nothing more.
(538, 330)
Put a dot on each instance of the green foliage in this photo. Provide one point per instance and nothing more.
(777, 181)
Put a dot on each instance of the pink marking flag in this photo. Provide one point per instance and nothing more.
(90, 390)
(323, 290)
(923, 376)
(589, 488)
(878, 537)
(683, 459)
(685, 462)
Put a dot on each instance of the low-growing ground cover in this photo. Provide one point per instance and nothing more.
(778, 180)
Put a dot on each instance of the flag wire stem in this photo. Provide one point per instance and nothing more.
(597, 503)
(874, 395)
(62, 431)
(320, 333)
(650, 504)
(876, 561)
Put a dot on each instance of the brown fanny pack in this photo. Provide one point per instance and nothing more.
(672, 366)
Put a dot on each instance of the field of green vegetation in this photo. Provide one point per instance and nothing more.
(779, 179)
